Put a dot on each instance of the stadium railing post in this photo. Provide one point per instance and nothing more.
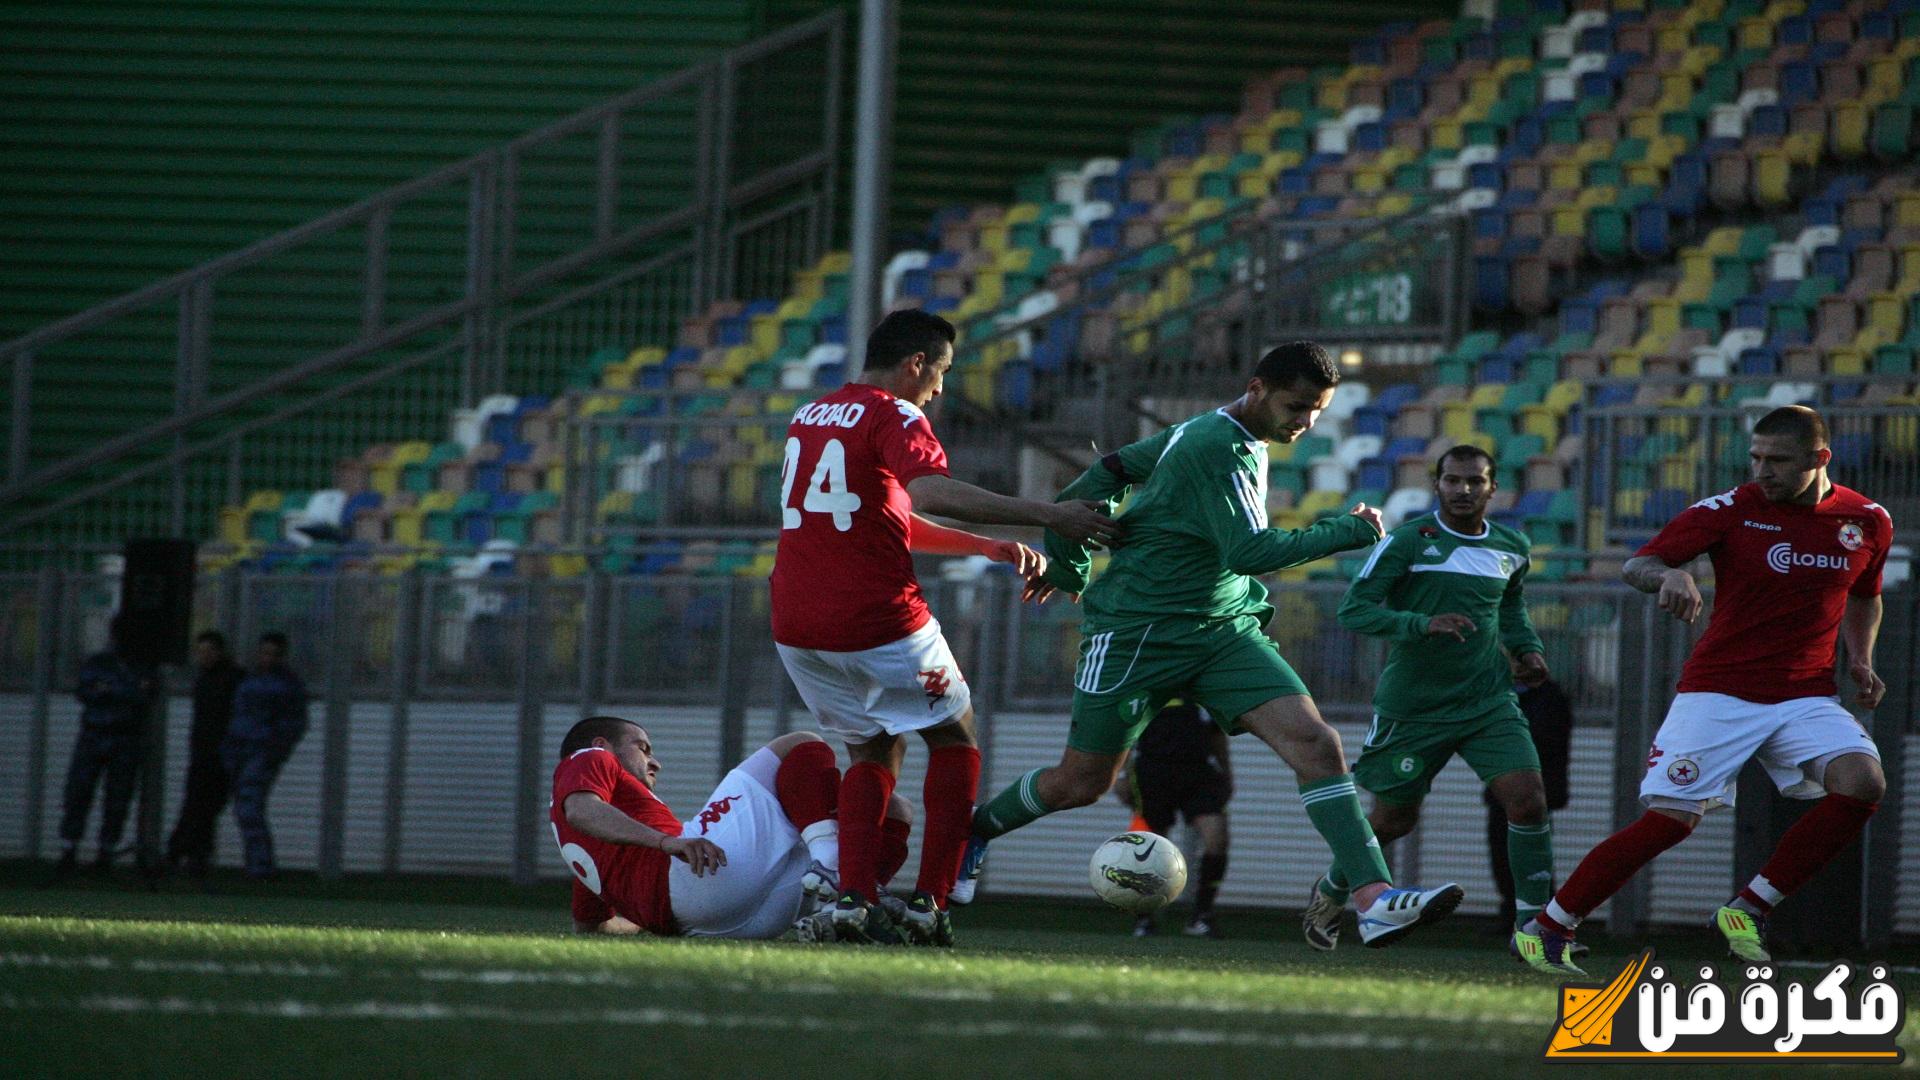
(408, 631)
(738, 639)
(334, 745)
(529, 798)
(45, 658)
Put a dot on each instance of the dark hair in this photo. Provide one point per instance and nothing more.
(1796, 420)
(1297, 361)
(903, 333)
(581, 735)
(212, 637)
(275, 638)
(1465, 452)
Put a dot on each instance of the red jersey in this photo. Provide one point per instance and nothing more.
(1782, 574)
(613, 878)
(843, 578)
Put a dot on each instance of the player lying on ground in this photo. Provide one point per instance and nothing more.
(1178, 613)
(1446, 590)
(636, 867)
(1797, 560)
(852, 627)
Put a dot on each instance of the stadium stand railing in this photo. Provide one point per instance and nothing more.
(530, 298)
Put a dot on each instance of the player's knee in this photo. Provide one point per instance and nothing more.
(899, 809)
(1868, 784)
(1526, 806)
(1081, 788)
(791, 741)
(1391, 822)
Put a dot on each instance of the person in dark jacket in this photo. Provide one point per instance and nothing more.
(269, 718)
(115, 695)
(215, 680)
(1549, 714)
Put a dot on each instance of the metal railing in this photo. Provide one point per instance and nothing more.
(1645, 463)
(1185, 314)
(370, 324)
(438, 701)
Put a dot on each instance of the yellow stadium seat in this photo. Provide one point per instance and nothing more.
(1906, 209)
(1564, 176)
(1626, 364)
(836, 262)
(1487, 396)
(1722, 241)
(1570, 221)
(233, 524)
(1663, 317)
(1445, 135)
(1629, 503)
(1598, 195)
(1847, 124)
(1022, 213)
(1456, 420)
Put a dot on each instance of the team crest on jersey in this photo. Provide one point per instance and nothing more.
(1851, 537)
(1428, 532)
(1506, 565)
(1683, 771)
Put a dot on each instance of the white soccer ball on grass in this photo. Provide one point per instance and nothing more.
(1140, 872)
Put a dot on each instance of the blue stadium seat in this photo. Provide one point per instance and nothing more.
(1652, 236)
(1851, 451)
(1760, 360)
(1768, 121)
(1794, 30)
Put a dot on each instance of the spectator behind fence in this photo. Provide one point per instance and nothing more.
(215, 679)
(269, 718)
(1549, 715)
(115, 696)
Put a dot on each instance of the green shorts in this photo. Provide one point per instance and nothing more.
(1400, 758)
(1226, 666)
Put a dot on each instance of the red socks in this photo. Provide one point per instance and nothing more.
(808, 784)
(864, 792)
(1810, 844)
(893, 847)
(953, 780)
(1608, 866)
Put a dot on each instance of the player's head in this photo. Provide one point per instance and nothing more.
(627, 741)
(1463, 483)
(209, 648)
(909, 353)
(272, 650)
(1290, 386)
(1788, 451)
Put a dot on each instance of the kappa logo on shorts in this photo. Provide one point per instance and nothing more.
(1683, 771)
(936, 684)
(715, 810)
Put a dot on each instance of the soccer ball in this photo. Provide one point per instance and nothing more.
(1140, 872)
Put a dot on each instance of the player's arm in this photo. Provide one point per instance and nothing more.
(1859, 631)
(937, 493)
(601, 820)
(1517, 633)
(1365, 610)
(930, 538)
(1105, 482)
(1660, 567)
(1225, 493)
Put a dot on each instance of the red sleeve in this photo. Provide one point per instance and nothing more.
(594, 771)
(588, 908)
(905, 444)
(1697, 529)
(1867, 585)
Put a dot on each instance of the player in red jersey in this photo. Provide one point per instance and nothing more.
(862, 464)
(1795, 559)
(638, 867)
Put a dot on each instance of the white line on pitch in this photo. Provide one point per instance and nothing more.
(414, 1011)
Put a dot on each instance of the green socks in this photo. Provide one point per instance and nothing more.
(1334, 808)
(1018, 805)
(1530, 852)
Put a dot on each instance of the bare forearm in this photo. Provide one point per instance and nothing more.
(1860, 627)
(929, 538)
(615, 926)
(947, 497)
(1646, 573)
(593, 816)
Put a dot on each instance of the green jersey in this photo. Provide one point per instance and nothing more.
(1423, 569)
(1196, 529)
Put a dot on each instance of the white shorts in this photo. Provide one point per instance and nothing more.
(757, 894)
(1707, 738)
(907, 685)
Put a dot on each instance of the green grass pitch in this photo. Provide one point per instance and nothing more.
(430, 977)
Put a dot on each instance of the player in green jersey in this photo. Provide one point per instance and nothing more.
(1445, 589)
(1178, 614)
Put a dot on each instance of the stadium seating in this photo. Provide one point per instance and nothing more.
(1655, 188)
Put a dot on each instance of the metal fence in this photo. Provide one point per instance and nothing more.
(439, 701)
(567, 242)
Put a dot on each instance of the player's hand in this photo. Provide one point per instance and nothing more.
(1679, 596)
(1530, 670)
(1458, 626)
(1037, 591)
(1084, 522)
(1025, 561)
(1871, 688)
(701, 856)
(1370, 515)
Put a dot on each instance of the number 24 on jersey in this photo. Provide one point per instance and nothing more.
(825, 493)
